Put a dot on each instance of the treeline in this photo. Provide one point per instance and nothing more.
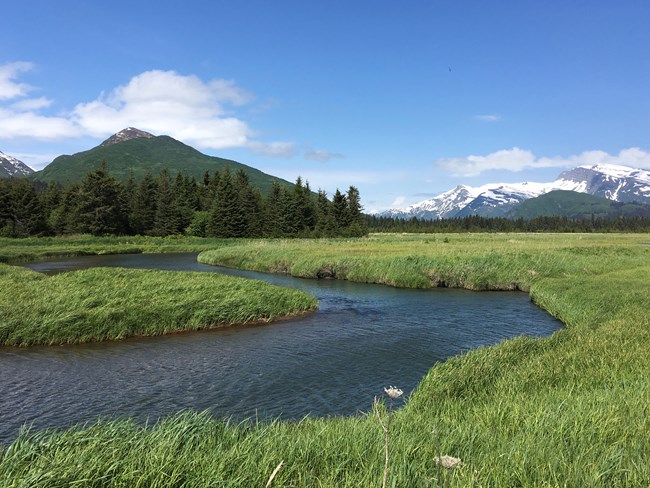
(219, 205)
(474, 223)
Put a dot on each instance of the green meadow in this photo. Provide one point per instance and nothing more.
(569, 410)
(40, 248)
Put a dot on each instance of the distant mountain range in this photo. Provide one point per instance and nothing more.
(135, 152)
(11, 167)
(611, 182)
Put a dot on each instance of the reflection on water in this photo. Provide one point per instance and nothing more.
(333, 362)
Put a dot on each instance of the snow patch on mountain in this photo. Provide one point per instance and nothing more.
(11, 167)
(618, 183)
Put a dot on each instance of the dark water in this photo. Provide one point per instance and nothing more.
(334, 362)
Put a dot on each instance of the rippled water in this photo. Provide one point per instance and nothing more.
(333, 362)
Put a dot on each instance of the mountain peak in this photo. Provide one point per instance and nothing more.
(10, 167)
(126, 135)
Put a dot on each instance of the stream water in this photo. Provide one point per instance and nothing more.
(332, 362)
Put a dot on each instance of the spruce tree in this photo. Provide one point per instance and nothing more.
(273, 220)
(166, 218)
(99, 210)
(326, 226)
(356, 220)
(340, 211)
(143, 208)
(224, 218)
(249, 220)
(64, 218)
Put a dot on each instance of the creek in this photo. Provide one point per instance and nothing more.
(332, 362)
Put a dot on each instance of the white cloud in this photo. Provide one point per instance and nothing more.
(35, 126)
(9, 88)
(164, 102)
(488, 118)
(278, 149)
(398, 202)
(517, 159)
(31, 104)
(322, 156)
(185, 107)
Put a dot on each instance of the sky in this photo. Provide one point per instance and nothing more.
(404, 100)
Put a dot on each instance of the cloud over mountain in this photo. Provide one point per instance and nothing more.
(196, 111)
(517, 159)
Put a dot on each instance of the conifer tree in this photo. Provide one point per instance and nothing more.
(273, 220)
(248, 212)
(224, 218)
(22, 211)
(184, 202)
(64, 217)
(166, 218)
(143, 208)
(340, 210)
(326, 226)
(356, 220)
(99, 210)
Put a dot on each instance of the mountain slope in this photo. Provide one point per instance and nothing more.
(138, 154)
(616, 183)
(11, 167)
(574, 205)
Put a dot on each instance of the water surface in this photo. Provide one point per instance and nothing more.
(333, 362)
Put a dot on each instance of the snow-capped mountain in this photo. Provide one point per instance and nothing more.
(618, 183)
(11, 167)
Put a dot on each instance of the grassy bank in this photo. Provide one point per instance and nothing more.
(472, 261)
(569, 410)
(38, 248)
(112, 303)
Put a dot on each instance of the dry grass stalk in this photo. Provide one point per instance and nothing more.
(275, 472)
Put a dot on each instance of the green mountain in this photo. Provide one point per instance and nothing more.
(576, 205)
(134, 152)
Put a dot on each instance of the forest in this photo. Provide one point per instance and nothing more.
(219, 205)
(475, 223)
(225, 204)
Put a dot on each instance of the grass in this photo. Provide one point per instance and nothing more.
(39, 248)
(112, 303)
(572, 409)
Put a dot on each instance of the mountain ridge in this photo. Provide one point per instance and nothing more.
(132, 152)
(614, 182)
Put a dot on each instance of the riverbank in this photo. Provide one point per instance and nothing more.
(40, 248)
(568, 410)
(111, 303)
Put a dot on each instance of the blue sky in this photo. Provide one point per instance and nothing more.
(404, 100)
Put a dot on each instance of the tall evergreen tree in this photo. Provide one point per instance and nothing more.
(340, 210)
(225, 221)
(249, 207)
(99, 210)
(143, 208)
(166, 218)
(326, 225)
(64, 218)
(184, 202)
(22, 213)
(356, 221)
(273, 222)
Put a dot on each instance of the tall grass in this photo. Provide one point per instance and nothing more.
(572, 409)
(36, 248)
(112, 303)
